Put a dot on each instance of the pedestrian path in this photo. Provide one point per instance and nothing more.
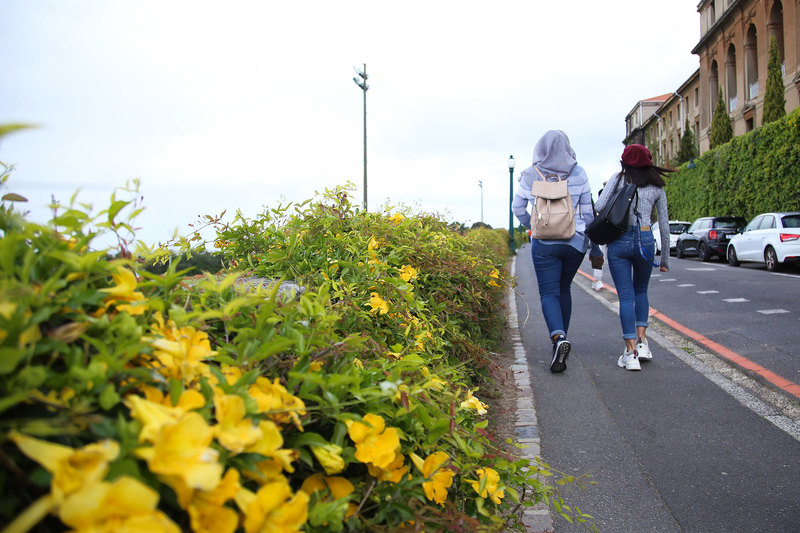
(671, 448)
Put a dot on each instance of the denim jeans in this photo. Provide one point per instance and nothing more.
(631, 274)
(555, 265)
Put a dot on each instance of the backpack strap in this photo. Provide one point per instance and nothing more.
(543, 176)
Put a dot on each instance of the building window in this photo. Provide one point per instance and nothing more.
(751, 62)
(730, 78)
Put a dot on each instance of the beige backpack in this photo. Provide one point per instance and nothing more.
(553, 217)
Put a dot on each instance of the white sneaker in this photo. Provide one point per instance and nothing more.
(597, 285)
(629, 361)
(643, 350)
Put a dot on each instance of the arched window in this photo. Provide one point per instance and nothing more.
(751, 62)
(775, 31)
(713, 90)
(730, 78)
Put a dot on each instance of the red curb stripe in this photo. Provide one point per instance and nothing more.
(739, 360)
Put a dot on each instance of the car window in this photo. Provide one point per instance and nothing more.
(677, 228)
(755, 223)
(791, 221)
(768, 222)
(702, 224)
(727, 224)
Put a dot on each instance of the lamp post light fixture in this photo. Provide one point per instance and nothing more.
(511, 164)
(480, 184)
(361, 80)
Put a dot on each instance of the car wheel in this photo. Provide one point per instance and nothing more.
(679, 251)
(771, 259)
(732, 259)
(702, 252)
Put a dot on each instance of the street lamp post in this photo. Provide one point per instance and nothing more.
(511, 164)
(480, 184)
(362, 83)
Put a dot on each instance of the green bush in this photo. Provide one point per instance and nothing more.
(154, 402)
(752, 174)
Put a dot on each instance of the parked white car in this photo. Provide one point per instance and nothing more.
(676, 227)
(770, 238)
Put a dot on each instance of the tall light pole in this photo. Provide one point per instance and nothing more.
(511, 164)
(362, 83)
(480, 184)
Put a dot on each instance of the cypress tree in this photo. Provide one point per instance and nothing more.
(721, 127)
(688, 148)
(774, 99)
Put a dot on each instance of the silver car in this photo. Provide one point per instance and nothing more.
(676, 227)
(770, 238)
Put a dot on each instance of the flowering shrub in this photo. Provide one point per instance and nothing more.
(136, 401)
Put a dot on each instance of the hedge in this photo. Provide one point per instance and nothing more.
(754, 173)
(131, 400)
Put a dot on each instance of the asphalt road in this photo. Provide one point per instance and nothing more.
(679, 446)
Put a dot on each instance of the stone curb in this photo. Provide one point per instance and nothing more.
(536, 519)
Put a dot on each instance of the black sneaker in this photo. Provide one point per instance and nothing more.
(561, 349)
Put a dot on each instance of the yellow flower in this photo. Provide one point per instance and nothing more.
(435, 383)
(207, 510)
(358, 363)
(378, 304)
(439, 479)
(330, 457)
(233, 430)
(274, 401)
(123, 296)
(492, 478)
(397, 218)
(375, 443)
(72, 469)
(393, 473)
(473, 403)
(315, 366)
(124, 505)
(189, 400)
(273, 509)
(153, 416)
(338, 487)
(407, 273)
(493, 283)
(182, 450)
(182, 353)
(269, 445)
(373, 243)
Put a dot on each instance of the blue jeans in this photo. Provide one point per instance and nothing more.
(555, 265)
(631, 274)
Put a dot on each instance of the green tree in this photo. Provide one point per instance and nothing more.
(774, 99)
(721, 127)
(688, 147)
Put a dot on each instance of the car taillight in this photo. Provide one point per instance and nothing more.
(712, 235)
(789, 237)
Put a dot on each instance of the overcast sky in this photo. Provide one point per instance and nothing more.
(239, 104)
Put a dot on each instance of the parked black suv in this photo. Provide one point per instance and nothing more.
(708, 236)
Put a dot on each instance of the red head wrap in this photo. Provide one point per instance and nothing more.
(636, 155)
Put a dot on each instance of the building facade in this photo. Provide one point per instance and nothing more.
(733, 51)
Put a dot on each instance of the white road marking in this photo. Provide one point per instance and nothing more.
(772, 311)
(686, 285)
(735, 300)
(707, 292)
(668, 279)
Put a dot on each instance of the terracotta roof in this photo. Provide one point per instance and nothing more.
(662, 98)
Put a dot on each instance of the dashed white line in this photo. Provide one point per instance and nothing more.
(686, 285)
(735, 300)
(707, 292)
(772, 311)
(668, 279)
